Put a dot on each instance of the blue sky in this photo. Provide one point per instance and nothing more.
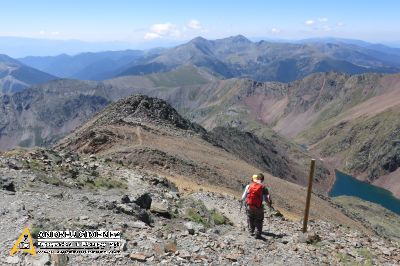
(152, 21)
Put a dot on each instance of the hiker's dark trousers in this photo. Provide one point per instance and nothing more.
(255, 218)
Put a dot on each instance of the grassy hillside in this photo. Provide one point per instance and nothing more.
(383, 221)
(182, 76)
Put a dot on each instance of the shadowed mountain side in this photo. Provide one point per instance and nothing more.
(268, 154)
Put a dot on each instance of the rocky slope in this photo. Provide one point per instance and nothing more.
(270, 155)
(42, 114)
(372, 214)
(58, 190)
(15, 76)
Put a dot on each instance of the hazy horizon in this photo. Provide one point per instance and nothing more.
(142, 25)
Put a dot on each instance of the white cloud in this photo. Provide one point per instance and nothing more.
(54, 33)
(151, 36)
(162, 30)
(275, 31)
(309, 22)
(169, 30)
(194, 24)
(323, 19)
(340, 24)
(42, 32)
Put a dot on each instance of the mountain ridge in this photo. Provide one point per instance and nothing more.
(234, 56)
(15, 76)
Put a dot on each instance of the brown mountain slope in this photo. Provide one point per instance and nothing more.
(142, 132)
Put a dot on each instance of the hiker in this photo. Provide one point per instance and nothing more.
(254, 194)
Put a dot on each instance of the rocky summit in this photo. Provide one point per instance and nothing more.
(171, 188)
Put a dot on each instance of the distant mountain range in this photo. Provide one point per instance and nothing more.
(15, 76)
(92, 66)
(231, 57)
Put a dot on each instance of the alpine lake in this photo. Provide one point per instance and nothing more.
(350, 186)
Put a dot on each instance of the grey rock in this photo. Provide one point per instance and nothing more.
(161, 209)
(12, 260)
(137, 224)
(138, 256)
(7, 184)
(38, 260)
(135, 210)
(125, 199)
(196, 248)
(194, 227)
(170, 245)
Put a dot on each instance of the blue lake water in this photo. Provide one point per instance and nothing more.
(350, 186)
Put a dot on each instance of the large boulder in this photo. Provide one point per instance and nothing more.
(144, 201)
(136, 211)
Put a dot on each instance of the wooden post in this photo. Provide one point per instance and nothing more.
(310, 181)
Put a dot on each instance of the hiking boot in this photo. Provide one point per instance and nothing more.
(252, 233)
(258, 236)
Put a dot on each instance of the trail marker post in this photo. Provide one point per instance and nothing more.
(310, 181)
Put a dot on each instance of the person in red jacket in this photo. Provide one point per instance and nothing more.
(254, 194)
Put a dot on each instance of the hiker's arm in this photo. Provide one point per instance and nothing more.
(267, 198)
